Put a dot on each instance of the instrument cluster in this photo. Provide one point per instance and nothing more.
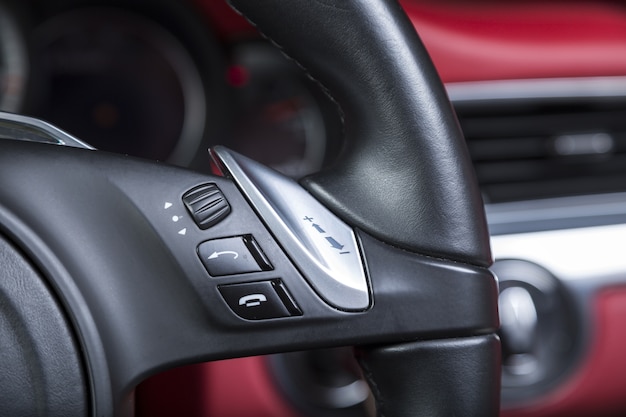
(161, 80)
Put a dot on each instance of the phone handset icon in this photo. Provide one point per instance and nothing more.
(252, 300)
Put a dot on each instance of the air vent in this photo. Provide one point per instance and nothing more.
(546, 147)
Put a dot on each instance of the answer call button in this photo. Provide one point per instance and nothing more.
(254, 300)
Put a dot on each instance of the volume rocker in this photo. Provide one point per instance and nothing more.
(207, 205)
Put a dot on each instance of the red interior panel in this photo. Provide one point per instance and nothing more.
(509, 40)
(232, 388)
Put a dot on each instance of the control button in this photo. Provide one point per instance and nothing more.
(207, 205)
(233, 255)
(259, 300)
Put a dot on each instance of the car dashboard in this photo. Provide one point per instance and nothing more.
(540, 92)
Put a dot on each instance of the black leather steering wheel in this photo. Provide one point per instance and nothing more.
(114, 269)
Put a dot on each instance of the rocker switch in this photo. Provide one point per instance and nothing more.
(207, 205)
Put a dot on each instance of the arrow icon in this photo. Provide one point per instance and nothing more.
(183, 231)
(167, 205)
(318, 228)
(334, 243)
(216, 254)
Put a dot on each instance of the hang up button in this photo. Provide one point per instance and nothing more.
(233, 255)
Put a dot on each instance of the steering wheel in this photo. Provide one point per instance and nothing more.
(114, 268)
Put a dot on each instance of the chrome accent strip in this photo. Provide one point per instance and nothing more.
(556, 213)
(539, 88)
(319, 243)
(35, 130)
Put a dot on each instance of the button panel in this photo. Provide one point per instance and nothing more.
(233, 260)
(259, 300)
(232, 255)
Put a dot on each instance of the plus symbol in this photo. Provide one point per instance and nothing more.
(308, 219)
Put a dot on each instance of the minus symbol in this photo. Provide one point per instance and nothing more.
(343, 253)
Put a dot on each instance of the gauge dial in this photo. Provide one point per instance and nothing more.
(121, 82)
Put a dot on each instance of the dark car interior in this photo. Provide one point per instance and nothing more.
(481, 200)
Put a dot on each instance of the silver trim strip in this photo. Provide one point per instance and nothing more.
(35, 130)
(324, 247)
(556, 213)
(546, 88)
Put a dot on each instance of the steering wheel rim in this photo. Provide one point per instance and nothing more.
(436, 246)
